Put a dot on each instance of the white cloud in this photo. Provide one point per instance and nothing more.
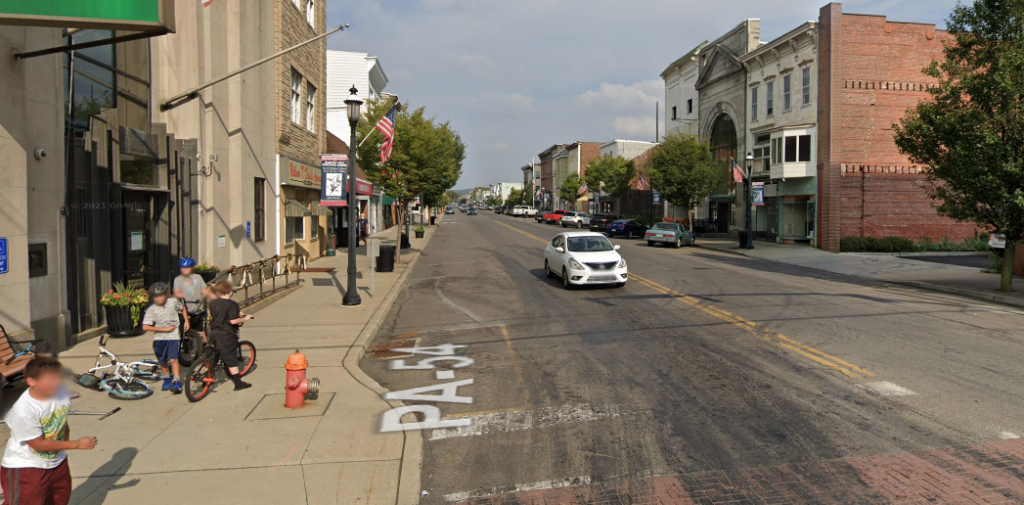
(470, 60)
(635, 127)
(623, 96)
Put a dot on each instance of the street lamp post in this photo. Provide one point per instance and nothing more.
(355, 110)
(750, 202)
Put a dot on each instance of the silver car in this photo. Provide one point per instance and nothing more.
(670, 234)
(575, 220)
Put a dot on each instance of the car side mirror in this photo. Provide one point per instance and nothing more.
(559, 250)
(618, 247)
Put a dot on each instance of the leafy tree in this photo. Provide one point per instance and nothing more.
(970, 131)
(426, 157)
(527, 194)
(684, 171)
(611, 174)
(570, 189)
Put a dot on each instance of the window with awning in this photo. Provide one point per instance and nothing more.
(295, 208)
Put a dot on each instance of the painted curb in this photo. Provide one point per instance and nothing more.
(412, 449)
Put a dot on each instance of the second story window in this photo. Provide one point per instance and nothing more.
(787, 93)
(753, 102)
(807, 86)
(769, 102)
(296, 97)
(674, 116)
(689, 106)
(297, 4)
(311, 12)
(310, 107)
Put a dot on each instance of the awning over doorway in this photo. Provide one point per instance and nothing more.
(387, 200)
(320, 210)
(295, 208)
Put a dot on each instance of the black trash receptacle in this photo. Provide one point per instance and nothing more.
(405, 242)
(743, 239)
(433, 220)
(386, 259)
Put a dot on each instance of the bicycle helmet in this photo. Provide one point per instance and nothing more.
(186, 262)
(158, 289)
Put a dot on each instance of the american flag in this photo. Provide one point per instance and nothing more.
(583, 189)
(386, 125)
(737, 173)
(641, 184)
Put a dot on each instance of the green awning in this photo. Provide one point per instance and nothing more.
(722, 198)
(295, 208)
(386, 200)
(320, 210)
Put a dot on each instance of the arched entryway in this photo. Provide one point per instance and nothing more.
(723, 147)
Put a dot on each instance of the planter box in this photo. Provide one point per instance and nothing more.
(208, 276)
(419, 234)
(120, 324)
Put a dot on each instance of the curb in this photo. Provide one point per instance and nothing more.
(1012, 301)
(721, 250)
(412, 449)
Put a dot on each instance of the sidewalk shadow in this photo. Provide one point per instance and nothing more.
(104, 479)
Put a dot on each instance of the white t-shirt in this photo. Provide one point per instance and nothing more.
(164, 316)
(30, 419)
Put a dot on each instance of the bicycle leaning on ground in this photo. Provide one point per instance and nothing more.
(206, 371)
(122, 381)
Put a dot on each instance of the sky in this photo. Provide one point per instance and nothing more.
(517, 76)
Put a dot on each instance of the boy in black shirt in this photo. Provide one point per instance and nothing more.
(225, 320)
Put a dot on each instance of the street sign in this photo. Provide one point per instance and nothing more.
(656, 197)
(3, 255)
(248, 229)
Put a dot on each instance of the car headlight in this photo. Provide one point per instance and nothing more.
(575, 265)
(622, 263)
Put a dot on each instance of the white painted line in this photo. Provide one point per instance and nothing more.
(444, 375)
(1009, 435)
(501, 422)
(886, 388)
(518, 488)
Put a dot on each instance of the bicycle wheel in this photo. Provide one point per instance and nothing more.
(119, 389)
(246, 357)
(191, 346)
(199, 380)
(146, 369)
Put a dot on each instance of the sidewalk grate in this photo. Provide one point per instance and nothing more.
(272, 407)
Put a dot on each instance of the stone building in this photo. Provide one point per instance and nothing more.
(682, 102)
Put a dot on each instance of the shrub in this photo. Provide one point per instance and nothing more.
(901, 245)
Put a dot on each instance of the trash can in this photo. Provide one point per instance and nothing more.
(743, 238)
(405, 242)
(386, 258)
(433, 220)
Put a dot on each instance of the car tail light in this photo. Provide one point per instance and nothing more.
(648, 234)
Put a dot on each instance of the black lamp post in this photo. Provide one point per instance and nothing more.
(750, 202)
(355, 110)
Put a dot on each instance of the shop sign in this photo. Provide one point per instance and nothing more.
(333, 191)
(137, 15)
(363, 188)
(757, 194)
(3, 255)
(294, 173)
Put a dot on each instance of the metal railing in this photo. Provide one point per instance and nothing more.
(254, 276)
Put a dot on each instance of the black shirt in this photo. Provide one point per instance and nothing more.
(222, 312)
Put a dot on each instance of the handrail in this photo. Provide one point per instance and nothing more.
(245, 271)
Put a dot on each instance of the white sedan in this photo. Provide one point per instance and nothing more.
(584, 258)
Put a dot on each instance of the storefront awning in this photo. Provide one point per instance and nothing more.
(295, 208)
(387, 200)
(722, 198)
(320, 210)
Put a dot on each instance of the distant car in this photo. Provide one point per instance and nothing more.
(575, 219)
(997, 243)
(670, 234)
(628, 228)
(518, 211)
(471, 211)
(599, 222)
(540, 216)
(529, 211)
(553, 216)
(582, 258)
(499, 210)
(449, 210)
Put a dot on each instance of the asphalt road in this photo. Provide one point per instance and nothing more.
(709, 378)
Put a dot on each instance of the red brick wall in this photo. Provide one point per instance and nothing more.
(870, 71)
(589, 151)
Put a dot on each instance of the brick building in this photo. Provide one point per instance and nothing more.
(300, 78)
(547, 175)
(870, 73)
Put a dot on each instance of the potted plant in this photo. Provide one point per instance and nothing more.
(206, 271)
(123, 306)
(419, 231)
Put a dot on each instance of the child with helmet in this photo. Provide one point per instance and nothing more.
(161, 319)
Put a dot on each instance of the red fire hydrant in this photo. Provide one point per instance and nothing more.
(297, 387)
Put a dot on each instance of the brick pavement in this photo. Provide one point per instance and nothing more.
(991, 473)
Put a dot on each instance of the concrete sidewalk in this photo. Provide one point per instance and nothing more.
(245, 447)
(953, 279)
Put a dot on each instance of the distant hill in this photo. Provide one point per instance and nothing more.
(463, 191)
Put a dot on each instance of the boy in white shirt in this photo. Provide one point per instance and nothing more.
(162, 320)
(34, 469)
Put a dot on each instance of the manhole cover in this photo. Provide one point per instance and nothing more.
(272, 407)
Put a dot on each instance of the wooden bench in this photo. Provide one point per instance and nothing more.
(12, 371)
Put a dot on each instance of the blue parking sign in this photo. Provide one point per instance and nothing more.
(3, 255)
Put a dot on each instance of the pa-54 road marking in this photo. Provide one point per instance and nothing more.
(819, 357)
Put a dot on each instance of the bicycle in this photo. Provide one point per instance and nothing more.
(204, 373)
(125, 383)
(191, 343)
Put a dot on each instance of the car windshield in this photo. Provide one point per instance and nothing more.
(666, 226)
(589, 244)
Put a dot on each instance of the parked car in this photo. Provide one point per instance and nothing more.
(670, 234)
(471, 211)
(529, 211)
(540, 216)
(628, 228)
(997, 243)
(499, 210)
(516, 211)
(600, 222)
(553, 216)
(575, 219)
(584, 257)
(449, 210)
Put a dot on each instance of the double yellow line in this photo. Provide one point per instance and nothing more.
(806, 351)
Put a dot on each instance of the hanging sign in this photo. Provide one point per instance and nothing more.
(335, 169)
(656, 197)
(757, 194)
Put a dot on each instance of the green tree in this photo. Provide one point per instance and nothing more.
(527, 194)
(611, 174)
(570, 189)
(684, 171)
(426, 157)
(970, 131)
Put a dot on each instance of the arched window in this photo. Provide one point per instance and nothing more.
(723, 138)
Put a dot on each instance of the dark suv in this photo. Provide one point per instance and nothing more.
(600, 222)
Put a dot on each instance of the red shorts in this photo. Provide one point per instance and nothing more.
(35, 486)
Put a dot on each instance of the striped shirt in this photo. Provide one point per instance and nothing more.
(163, 316)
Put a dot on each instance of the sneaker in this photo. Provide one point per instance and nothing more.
(176, 387)
(242, 385)
(167, 384)
(163, 376)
